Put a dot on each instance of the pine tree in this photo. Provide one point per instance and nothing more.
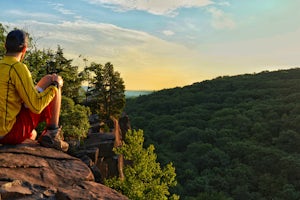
(107, 94)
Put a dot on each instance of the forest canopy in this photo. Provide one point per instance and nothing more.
(232, 137)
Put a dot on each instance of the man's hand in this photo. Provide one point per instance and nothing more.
(48, 80)
(58, 79)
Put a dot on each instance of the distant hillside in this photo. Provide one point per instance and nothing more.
(136, 93)
(232, 137)
(131, 93)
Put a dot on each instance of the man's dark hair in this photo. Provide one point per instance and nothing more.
(15, 41)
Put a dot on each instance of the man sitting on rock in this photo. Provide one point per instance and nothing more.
(23, 105)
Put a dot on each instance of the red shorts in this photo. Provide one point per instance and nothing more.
(25, 123)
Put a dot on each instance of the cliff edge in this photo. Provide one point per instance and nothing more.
(29, 171)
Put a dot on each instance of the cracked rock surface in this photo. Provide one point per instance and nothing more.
(30, 171)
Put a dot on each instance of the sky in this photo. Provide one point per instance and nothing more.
(159, 44)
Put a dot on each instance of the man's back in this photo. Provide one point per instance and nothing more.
(10, 101)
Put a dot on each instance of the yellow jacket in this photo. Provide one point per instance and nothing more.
(16, 88)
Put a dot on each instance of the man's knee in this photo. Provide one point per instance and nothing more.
(45, 81)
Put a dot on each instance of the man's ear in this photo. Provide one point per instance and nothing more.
(24, 49)
(23, 52)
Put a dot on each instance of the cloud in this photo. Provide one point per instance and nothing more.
(221, 20)
(60, 8)
(97, 39)
(225, 3)
(168, 32)
(157, 7)
(28, 15)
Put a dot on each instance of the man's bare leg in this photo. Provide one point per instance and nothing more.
(52, 135)
(53, 122)
(33, 134)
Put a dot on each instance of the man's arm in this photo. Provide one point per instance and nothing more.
(34, 100)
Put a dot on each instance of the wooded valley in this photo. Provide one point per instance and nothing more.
(229, 138)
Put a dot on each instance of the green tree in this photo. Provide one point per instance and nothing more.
(144, 179)
(107, 92)
(74, 119)
(62, 66)
(288, 141)
(36, 61)
(2, 39)
(45, 62)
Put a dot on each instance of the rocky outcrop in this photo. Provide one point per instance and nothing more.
(97, 153)
(29, 171)
(97, 149)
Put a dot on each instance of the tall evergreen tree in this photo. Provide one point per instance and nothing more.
(45, 62)
(107, 92)
(62, 66)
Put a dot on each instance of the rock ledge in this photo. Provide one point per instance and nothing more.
(30, 171)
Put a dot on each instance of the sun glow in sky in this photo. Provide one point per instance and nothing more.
(157, 44)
